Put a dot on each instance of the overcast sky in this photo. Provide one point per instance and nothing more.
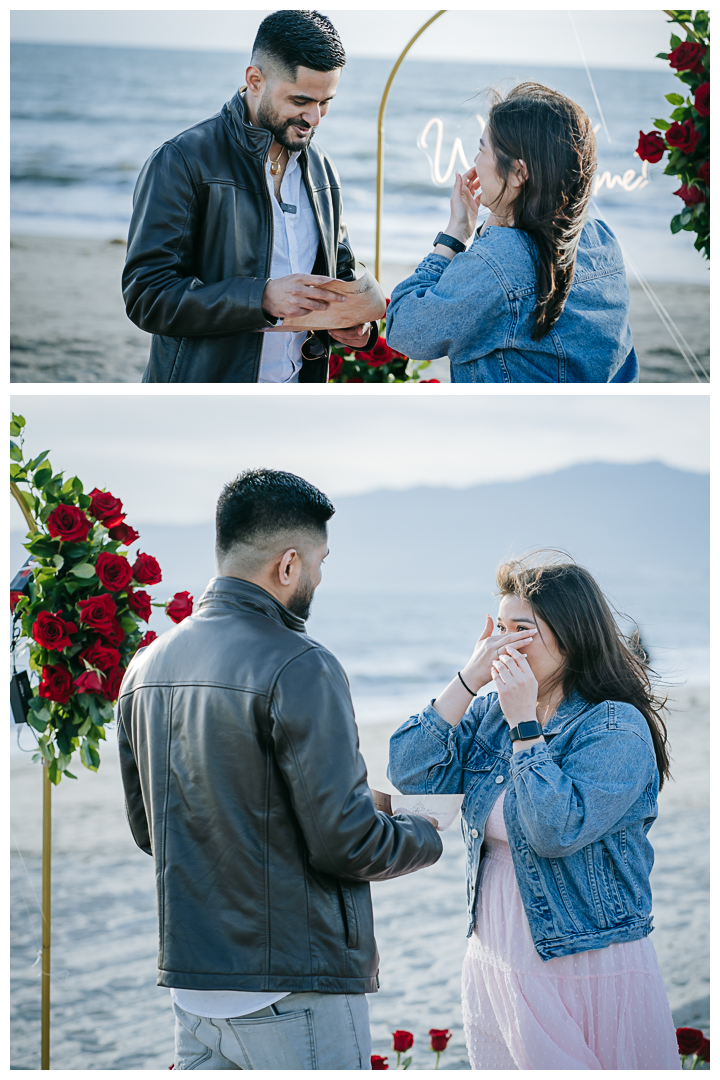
(616, 39)
(167, 457)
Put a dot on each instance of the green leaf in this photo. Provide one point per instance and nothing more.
(18, 419)
(661, 56)
(83, 570)
(675, 99)
(43, 475)
(85, 726)
(70, 775)
(89, 756)
(107, 711)
(675, 41)
(36, 721)
(128, 623)
(15, 451)
(38, 460)
(662, 125)
(59, 561)
(17, 472)
(675, 224)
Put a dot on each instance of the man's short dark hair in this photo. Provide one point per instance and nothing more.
(262, 503)
(292, 39)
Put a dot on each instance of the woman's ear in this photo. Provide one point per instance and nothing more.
(521, 172)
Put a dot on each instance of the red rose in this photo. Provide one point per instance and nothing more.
(704, 173)
(683, 136)
(650, 147)
(98, 612)
(439, 1039)
(430, 380)
(377, 1062)
(140, 603)
(68, 523)
(689, 1040)
(56, 684)
(52, 632)
(147, 639)
(88, 683)
(335, 363)
(702, 99)
(180, 606)
(125, 534)
(402, 1041)
(691, 196)
(15, 598)
(687, 56)
(111, 683)
(106, 508)
(113, 633)
(704, 1052)
(113, 570)
(380, 354)
(101, 656)
(146, 570)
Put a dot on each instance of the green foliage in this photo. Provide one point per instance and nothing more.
(63, 576)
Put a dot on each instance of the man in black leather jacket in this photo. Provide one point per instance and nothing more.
(237, 223)
(243, 779)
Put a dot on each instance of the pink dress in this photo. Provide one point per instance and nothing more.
(602, 1009)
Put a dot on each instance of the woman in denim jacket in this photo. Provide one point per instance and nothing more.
(559, 972)
(540, 295)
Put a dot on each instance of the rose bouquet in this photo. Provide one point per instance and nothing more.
(80, 607)
(686, 136)
(692, 1043)
(379, 364)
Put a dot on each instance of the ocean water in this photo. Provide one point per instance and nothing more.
(84, 119)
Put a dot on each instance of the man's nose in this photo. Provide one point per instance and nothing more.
(312, 116)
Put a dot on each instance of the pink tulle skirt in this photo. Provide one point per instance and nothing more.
(603, 1009)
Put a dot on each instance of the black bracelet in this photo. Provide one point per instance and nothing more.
(472, 692)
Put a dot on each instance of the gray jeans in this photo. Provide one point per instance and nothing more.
(301, 1031)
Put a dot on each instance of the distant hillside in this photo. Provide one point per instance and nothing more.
(643, 529)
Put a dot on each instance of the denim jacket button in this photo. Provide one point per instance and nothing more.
(474, 834)
(499, 779)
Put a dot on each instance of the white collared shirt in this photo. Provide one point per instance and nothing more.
(295, 246)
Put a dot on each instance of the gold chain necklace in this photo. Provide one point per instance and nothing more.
(275, 165)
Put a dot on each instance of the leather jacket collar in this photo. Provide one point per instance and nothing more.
(253, 140)
(245, 594)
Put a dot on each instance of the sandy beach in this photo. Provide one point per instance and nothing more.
(107, 1012)
(68, 323)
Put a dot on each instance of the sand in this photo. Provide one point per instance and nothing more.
(68, 323)
(107, 1012)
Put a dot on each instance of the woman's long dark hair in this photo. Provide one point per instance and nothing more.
(554, 138)
(600, 662)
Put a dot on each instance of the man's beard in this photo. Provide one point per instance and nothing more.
(269, 119)
(302, 599)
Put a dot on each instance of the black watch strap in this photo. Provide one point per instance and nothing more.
(449, 241)
(529, 729)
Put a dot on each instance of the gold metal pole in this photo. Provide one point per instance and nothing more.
(46, 862)
(381, 138)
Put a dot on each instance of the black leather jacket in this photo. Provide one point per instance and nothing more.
(200, 249)
(242, 776)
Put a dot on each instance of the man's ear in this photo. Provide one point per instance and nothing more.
(288, 562)
(254, 79)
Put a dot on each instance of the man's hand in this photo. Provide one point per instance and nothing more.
(355, 337)
(298, 294)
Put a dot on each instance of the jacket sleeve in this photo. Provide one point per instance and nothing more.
(316, 746)
(448, 304)
(162, 294)
(134, 805)
(428, 755)
(563, 808)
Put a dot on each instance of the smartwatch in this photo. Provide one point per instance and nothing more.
(528, 729)
(449, 241)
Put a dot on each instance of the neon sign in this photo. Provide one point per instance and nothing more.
(629, 180)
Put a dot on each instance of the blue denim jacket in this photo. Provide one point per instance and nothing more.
(577, 812)
(477, 309)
